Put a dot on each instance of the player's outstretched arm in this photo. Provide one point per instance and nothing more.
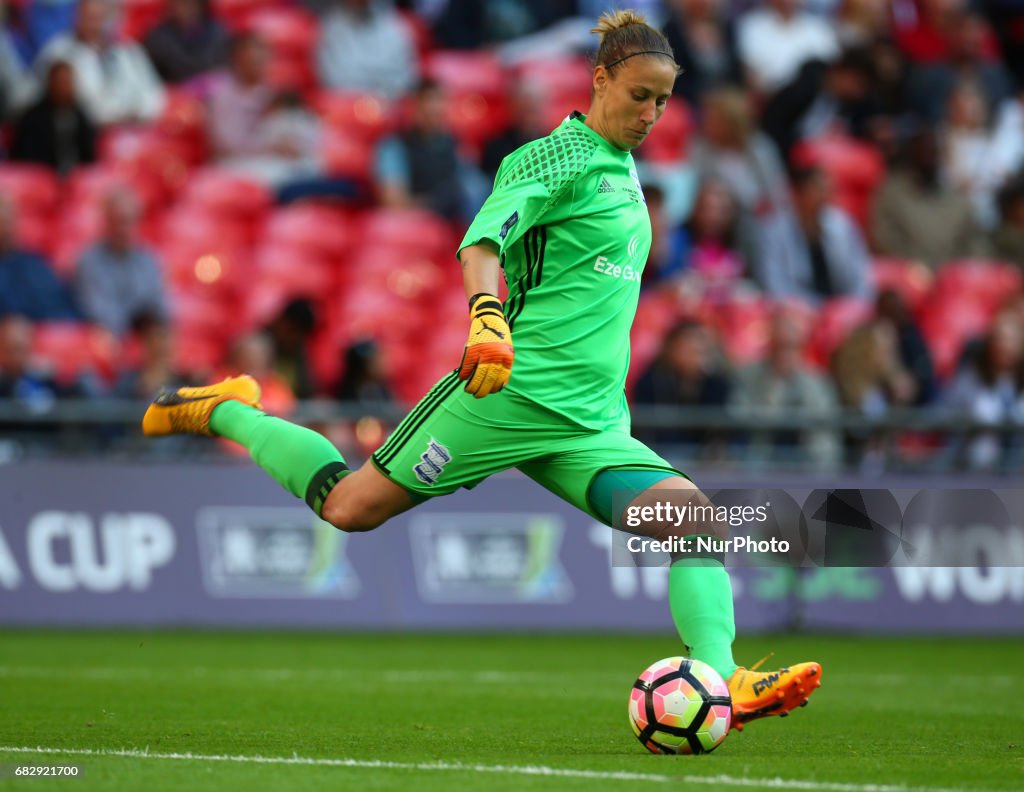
(487, 359)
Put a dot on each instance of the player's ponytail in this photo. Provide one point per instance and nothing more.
(625, 34)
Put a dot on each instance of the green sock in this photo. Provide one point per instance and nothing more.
(700, 597)
(302, 461)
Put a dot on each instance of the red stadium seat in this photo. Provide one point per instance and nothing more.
(35, 233)
(152, 161)
(314, 228)
(411, 229)
(987, 282)
(856, 170)
(228, 195)
(290, 73)
(139, 16)
(216, 269)
(290, 268)
(72, 349)
(476, 117)
(837, 318)
(405, 277)
(79, 227)
(88, 186)
(559, 77)
(911, 279)
(289, 31)
(948, 323)
(360, 115)
(189, 225)
(184, 121)
(236, 13)
(347, 155)
(467, 71)
(34, 189)
(670, 136)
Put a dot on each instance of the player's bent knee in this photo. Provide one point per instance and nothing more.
(349, 517)
(692, 513)
(349, 510)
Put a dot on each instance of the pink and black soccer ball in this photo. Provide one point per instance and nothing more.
(680, 706)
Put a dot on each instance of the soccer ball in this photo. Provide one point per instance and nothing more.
(680, 706)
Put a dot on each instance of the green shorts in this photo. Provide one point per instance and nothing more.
(452, 439)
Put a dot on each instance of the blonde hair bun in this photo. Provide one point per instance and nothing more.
(613, 20)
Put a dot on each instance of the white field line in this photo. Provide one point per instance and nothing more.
(458, 767)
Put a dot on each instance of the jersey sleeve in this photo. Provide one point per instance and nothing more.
(529, 183)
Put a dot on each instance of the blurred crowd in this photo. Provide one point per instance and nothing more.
(197, 187)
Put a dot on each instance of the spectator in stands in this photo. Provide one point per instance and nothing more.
(665, 258)
(859, 23)
(916, 216)
(732, 152)
(366, 375)
(117, 279)
(777, 38)
(1008, 238)
(911, 348)
(711, 259)
(366, 46)
(527, 123)
(188, 42)
(28, 285)
(829, 259)
(239, 97)
(16, 84)
(254, 354)
(156, 368)
(990, 390)
(823, 99)
(284, 146)
(55, 131)
(290, 333)
(114, 80)
(931, 84)
(684, 374)
(42, 21)
(420, 166)
(783, 386)
(20, 379)
(1010, 311)
(470, 24)
(868, 371)
(976, 162)
(703, 37)
(1008, 130)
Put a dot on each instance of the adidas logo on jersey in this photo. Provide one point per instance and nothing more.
(606, 186)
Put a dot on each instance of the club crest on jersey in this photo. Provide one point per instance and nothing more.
(432, 462)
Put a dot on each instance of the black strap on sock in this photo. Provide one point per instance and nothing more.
(322, 483)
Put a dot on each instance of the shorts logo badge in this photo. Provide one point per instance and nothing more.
(432, 462)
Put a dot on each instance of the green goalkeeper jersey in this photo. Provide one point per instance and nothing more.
(570, 222)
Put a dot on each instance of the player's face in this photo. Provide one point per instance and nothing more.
(627, 104)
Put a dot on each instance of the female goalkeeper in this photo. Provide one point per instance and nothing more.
(568, 226)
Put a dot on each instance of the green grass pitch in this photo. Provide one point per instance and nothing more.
(301, 711)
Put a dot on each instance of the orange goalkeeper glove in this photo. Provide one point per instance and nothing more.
(487, 359)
